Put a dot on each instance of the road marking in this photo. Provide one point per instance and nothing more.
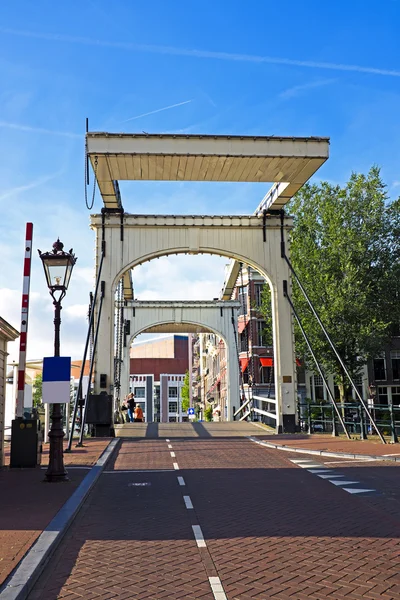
(329, 476)
(217, 588)
(395, 454)
(169, 445)
(167, 440)
(172, 454)
(138, 471)
(343, 482)
(176, 466)
(298, 460)
(198, 536)
(188, 502)
(141, 484)
(357, 491)
(181, 481)
(339, 462)
(316, 471)
(314, 466)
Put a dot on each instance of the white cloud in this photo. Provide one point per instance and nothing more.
(77, 311)
(396, 184)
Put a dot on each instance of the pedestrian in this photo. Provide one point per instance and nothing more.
(138, 414)
(130, 402)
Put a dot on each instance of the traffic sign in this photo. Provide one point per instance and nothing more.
(190, 411)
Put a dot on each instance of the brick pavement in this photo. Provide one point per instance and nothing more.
(272, 530)
(372, 447)
(27, 504)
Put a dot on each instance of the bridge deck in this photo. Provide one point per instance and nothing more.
(189, 430)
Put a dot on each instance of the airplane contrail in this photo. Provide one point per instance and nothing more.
(20, 127)
(273, 60)
(152, 112)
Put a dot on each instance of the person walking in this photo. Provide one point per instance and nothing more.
(138, 414)
(130, 402)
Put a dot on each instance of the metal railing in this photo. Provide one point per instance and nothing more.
(317, 418)
(252, 411)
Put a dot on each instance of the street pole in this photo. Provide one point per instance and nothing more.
(56, 470)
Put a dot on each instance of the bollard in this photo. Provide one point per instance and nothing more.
(363, 433)
(393, 438)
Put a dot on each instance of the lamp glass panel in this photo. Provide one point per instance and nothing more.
(55, 269)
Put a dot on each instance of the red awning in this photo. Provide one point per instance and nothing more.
(243, 364)
(267, 361)
(242, 325)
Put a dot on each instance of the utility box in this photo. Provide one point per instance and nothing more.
(99, 414)
(26, 443)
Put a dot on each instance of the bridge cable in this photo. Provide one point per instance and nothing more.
(78, 396)
(326, 385)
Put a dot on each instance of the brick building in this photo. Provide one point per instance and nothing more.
(157, 371)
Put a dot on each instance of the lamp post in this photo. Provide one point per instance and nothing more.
(58, 267)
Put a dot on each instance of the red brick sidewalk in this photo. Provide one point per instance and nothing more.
(27, 504)
(334, 444)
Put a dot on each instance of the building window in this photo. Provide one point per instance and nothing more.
(172, 392)
(395, 395)
(258, 288)
(380, 369)
(243, 341)
(395, 358)
(266, 375)
(261, 333)
(139, 392)
(173, 407)
(318, 388)
(242, 297)
(383, 395)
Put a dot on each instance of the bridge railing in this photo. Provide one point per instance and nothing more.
(249, 409)
(317, 418)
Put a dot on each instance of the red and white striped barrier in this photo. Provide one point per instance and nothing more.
(19, 408)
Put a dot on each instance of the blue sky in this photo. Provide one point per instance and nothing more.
(257, 67)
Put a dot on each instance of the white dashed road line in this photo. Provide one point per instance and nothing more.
(167, 440)
(188, 502)
(358, 491)
(181, 481)
(343, 482)
(176, 466)
(199, 537)
(169, 445)
(217, 588)
(172, 454)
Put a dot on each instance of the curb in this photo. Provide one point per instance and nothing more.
(370, 457)
(26, 573)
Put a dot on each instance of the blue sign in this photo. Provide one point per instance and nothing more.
(190, 411)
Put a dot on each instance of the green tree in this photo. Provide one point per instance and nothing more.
(37, 391)
(345, 249)
(208, 413)
(185, 396)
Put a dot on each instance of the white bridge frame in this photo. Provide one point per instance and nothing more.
(127, 240)
(189, 317)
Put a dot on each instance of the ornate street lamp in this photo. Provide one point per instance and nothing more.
(58, 267)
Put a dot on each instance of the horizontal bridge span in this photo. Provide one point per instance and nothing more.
(165, 157)
(239, 221)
